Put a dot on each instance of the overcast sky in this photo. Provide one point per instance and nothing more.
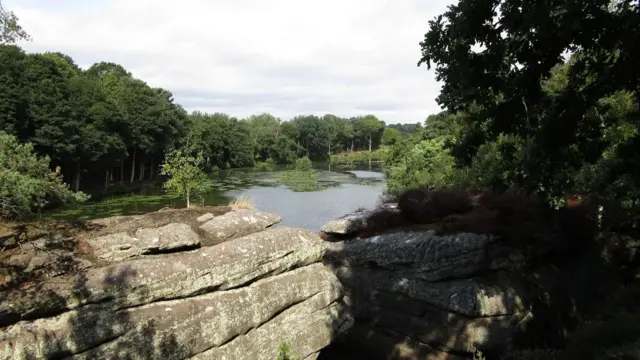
(242, 57)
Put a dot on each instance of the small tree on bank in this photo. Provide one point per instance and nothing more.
(26, 181)
(186, 177)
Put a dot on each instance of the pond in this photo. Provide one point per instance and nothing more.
(344, 191)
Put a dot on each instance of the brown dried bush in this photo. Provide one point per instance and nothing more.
(427, 206)
(512, 215)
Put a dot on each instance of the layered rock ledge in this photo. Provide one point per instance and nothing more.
(176, 285)
(416, 294)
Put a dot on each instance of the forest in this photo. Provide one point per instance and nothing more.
(542, 96)
(100, 126)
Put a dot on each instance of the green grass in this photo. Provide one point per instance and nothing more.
(116, 206)
(357, 157)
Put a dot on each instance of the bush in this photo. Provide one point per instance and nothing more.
(426, 206)
(428, 165)
(517, 218)
(267, 165)
(496, 163)
(27, 182)
(299, 181)
(304, 164)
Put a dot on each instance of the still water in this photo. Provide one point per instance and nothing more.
(347, 190)
(310, 210)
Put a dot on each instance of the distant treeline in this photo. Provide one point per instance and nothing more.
(102, 126)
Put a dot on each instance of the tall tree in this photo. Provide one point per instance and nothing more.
(265, 131)
(494, 57)
(369, 128)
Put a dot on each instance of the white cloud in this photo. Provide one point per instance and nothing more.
(287, 57)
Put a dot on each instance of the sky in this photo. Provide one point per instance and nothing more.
(243, 57)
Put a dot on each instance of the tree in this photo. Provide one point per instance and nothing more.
(428, 165)
(503, 63)
(346, 134)
(10, 29)
(238, 144)
(369, 128)
(285, 151)
(265, 132)
(331, 122)
(313, 134)
(26, 182)
(186, 177)
(391, 136)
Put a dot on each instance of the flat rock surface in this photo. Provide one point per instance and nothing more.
(237, 300)
(422, 253)
(360, 220)
(235, 224)
(167, 238)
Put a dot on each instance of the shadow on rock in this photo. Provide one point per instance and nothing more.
(496, 273)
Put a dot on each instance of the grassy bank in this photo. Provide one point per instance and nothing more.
(348, 158)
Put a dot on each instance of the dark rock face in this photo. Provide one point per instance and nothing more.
(157, 293)
(494, 273)
(439, 291)
(419, 294)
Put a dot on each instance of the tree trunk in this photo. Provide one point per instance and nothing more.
(370, 140)
(111, 175)
(122, 172)
(106, 179)
(351, 150)
(133, 166)
(76, 180)
(188, 203)
(141, 171)
(151, 170)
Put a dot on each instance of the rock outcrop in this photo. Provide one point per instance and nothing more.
(153, 289)
(419, 295)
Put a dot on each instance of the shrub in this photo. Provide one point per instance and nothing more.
(304, 164)
(299, 181)
(511, 215)
(426, 206)
(27, 182)
(428, 165)
(497, 164)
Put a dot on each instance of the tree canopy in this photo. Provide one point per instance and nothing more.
(103, 126)
(538, 95)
